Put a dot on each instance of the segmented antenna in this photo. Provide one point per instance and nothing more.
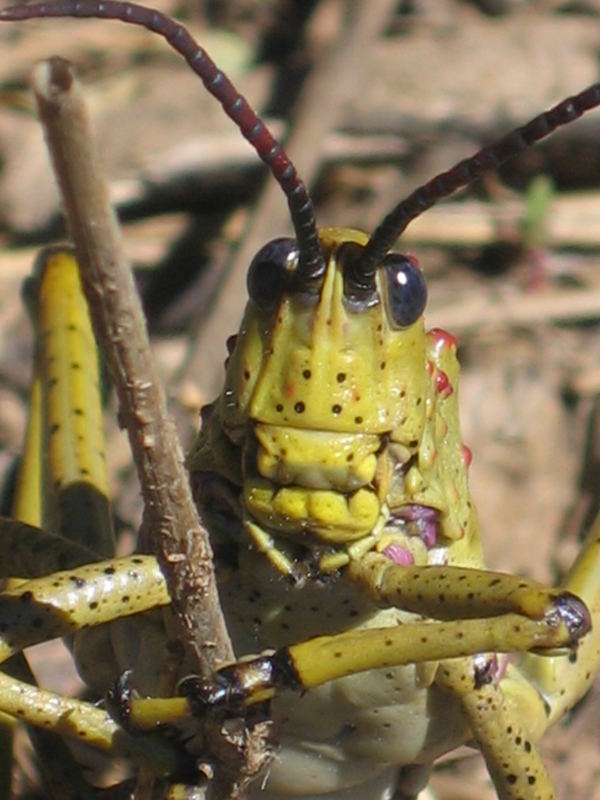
(312, 264)
(463, 173)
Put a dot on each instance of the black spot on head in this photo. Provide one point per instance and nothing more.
(358, 420)
(279, 407)
(26, 597)
(336, 409)
(299, 407)
(109, 570)
(340, 377)
(77, 580)
(306, 373)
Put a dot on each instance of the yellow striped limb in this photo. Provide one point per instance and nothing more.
(451, 592)
(86, 722)
(317, 661)
(73, 467)
(561, 681)
(62, 484)
(501, 732)
(64, 602)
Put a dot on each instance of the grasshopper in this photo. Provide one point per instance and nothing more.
(332, 477)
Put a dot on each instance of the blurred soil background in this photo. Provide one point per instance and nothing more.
(377, 97)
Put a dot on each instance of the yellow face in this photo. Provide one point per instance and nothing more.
(339, 416)
(321, 364)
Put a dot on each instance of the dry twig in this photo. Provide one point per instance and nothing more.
(179, 540)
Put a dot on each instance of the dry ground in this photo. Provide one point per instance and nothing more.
(390, 101)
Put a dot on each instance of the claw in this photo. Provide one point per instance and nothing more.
(118, 699)
(214, 696)
(571, 610)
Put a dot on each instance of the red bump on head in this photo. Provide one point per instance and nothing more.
(442, 383)
(443, 339)
(467, 455)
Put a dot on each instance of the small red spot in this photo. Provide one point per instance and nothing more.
(429, 367)
(442, 383)
(288, 390)
(467, 455)
(442, 338)
(414, 261)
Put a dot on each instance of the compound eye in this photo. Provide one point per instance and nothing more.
(405, 290)
(270, 272)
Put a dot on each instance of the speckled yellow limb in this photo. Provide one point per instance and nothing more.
(317, 661)
(560, 681)
(508, 717)
(62, 484)
(501, 733)
(73, 479)
(451, 592)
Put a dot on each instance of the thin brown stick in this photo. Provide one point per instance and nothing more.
(182, 545)
(180, 542)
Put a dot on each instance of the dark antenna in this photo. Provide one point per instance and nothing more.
(312, 263)
(463, 173)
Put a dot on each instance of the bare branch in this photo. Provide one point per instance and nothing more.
(181, 544)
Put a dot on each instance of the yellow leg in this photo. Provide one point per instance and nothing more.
(74, 480)
(62, 485)
(325, 658)
(562, 680)
(512, 759)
